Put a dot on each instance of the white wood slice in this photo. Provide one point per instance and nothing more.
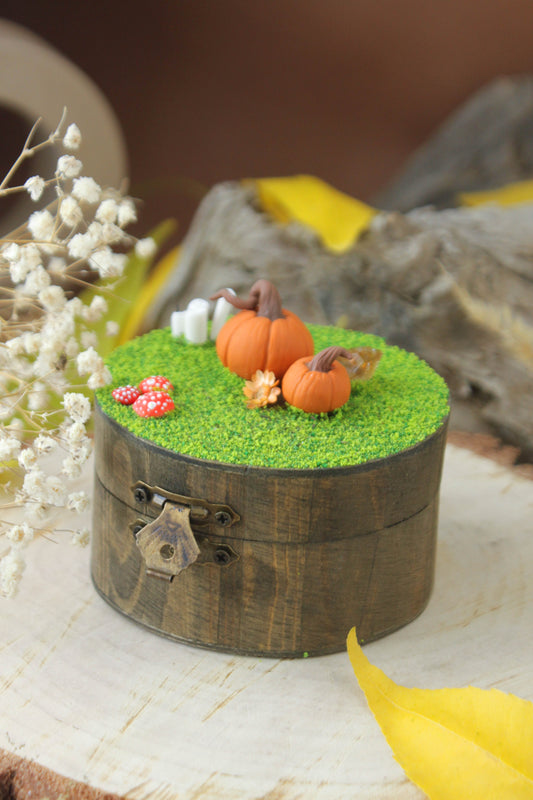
(91, 695)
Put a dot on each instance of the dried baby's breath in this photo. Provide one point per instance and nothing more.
(45, 339)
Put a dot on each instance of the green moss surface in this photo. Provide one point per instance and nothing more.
(403, 403)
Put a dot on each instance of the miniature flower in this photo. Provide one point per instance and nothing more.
(107, 211)
(20, 535)
(112, 328)
(126, 394)
(68, 167)
(86, 189)
(78, 501)
(70, 212)
(126, 213)
(145, 247)
(77, 406)
(11, 569)
(153, 404)
(262, 390)
(41, 225)
(72, 137)
(155, 383)
(35, 187)
(81, 538)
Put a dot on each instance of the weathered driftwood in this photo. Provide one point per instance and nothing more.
(486, 143)
(453, 285)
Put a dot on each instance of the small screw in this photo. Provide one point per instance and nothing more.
(221, 557)
(140, 495)
(137, 529)
(223, 518)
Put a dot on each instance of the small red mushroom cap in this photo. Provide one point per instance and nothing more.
(126, 395)
(155, 383)
(153, 404)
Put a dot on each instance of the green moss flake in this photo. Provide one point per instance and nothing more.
(403, 403)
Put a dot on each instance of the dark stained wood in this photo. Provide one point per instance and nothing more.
(313, 553)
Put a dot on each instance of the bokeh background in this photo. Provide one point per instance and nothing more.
(210, 90)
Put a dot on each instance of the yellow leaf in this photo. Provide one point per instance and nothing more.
(336, 218)
(509, 195)
(453, 743)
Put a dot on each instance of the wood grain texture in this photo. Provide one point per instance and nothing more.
(92, 696)
(316, 551)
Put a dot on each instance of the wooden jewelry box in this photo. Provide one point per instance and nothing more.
(256, 559)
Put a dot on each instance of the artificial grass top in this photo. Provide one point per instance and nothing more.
(402, 404)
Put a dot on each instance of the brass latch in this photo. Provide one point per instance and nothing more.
(168, 543)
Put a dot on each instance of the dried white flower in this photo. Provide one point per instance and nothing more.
(11, 569)
(78, 501)
(72, 138)
(76, 433)
(9, 448)
(11, 252)
(38, 398)
(99, 378)
(44, 444)
(36, 281)
(34, 485)
(108, 263)
(81, 245)
(35, 187)
(126, 213)
(145, 247)
(68, 167)
(77, 406)
(81, 538)
(88, 361)
(41, 225)
(112, 328)
(95, 311)
(70, 211)
(20, 535)
(52, 298)
(86, 189)
(89, 339)
(57, 266)
(107, 211)
(27, 458)
(55, 491)
(70, 467)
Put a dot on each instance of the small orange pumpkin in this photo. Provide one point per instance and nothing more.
(320, 384)
(263, 335)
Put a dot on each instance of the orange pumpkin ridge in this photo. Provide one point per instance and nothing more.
(318, 385)
(268, 338)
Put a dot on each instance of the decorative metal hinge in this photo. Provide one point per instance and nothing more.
(203, 512)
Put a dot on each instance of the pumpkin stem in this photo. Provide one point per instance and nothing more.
(264, 298)
(323, 361)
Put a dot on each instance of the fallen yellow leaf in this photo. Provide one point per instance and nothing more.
(453, 743)
(509, 195)
(337, 219)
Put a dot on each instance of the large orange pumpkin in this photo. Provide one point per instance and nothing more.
(317, 385)
(263, 335)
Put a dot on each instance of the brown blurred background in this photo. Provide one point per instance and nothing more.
(343, 89)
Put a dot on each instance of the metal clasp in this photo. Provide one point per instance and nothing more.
(168, 543)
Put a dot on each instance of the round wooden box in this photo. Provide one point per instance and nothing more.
(285, 561)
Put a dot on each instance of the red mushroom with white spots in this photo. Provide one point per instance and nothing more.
(126, 394)
(155, 383)
(153, 404)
